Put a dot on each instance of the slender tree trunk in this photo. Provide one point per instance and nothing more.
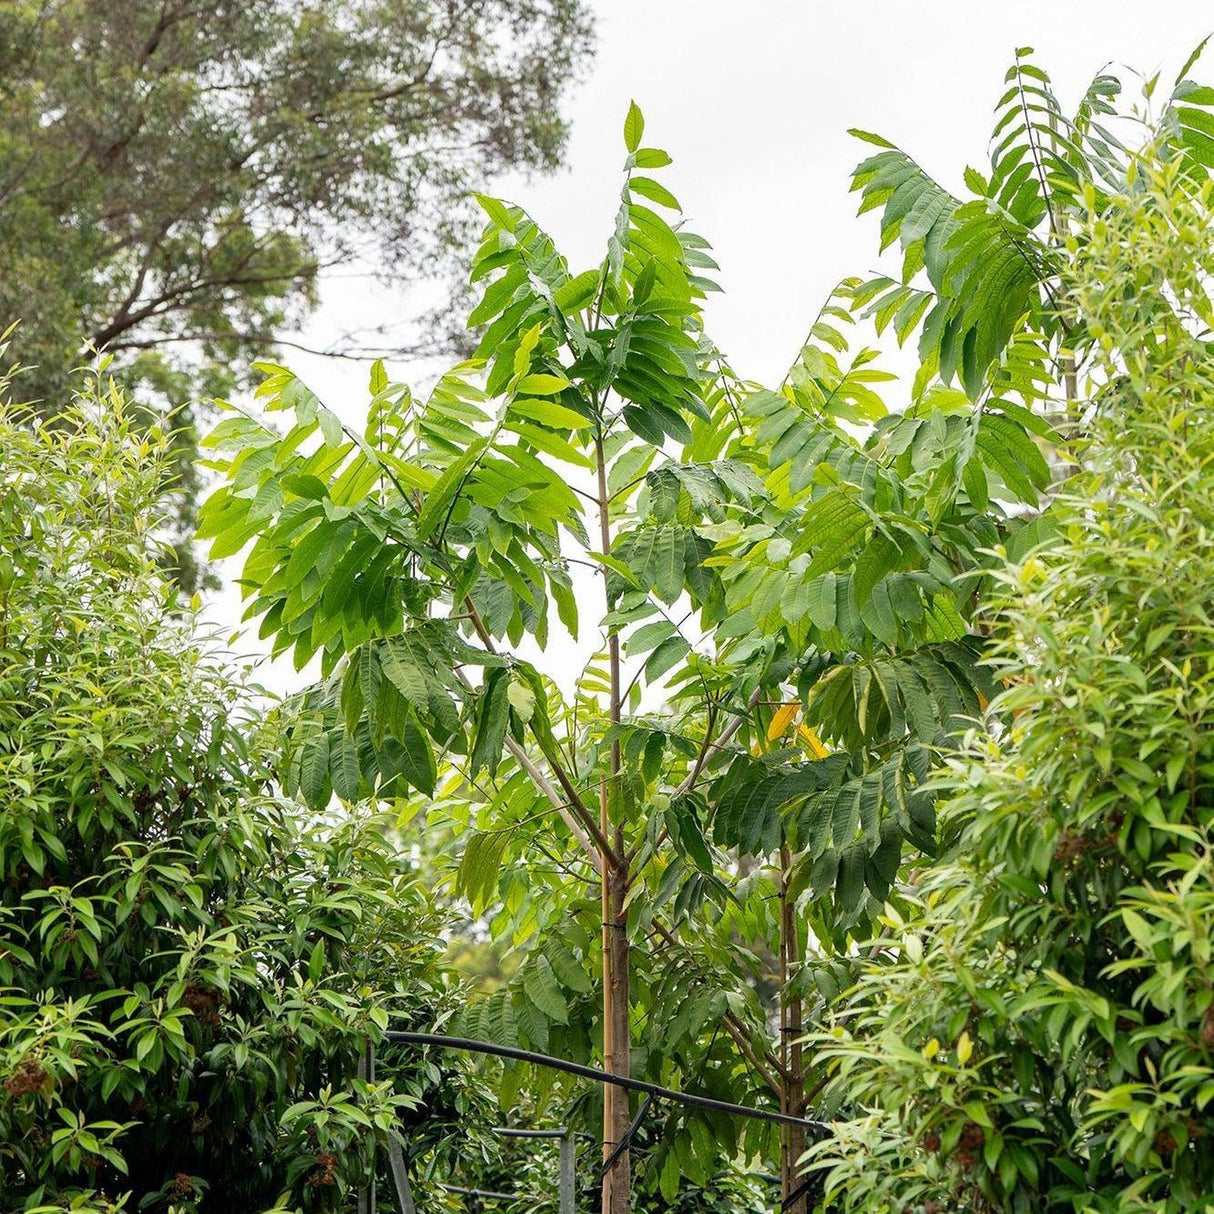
(608, 1022)
(617, 1184)
(617, 1049)
(792, 1095)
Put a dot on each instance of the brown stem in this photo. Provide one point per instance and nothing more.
(721, 739)
(710, 743)
(617, 1183)
(609, 1090)
(792, 1142)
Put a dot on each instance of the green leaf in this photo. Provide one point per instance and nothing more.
(654, 191)
(314, 783)
(479, 867)
(542, 385)
(667, 655)
(550, 413)
(578, 292)
(379, 377)
(416, 758)
(567, 967)
(492, 718)
(634, 127)
(850, 881)
(343, 767)
(521, 698)
(439, 500)
(542, 988)
(869, 137)
(650, 158)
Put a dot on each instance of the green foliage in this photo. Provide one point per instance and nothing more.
(994, 262)
(1033, 1030)
(190, 966)
(174, 197)
(760, 563)
(859, 571)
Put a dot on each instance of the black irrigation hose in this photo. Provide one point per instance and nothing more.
(590, 1072)
(802, 1190)
(629, 1135)
(488, 1194)
(508, 1132)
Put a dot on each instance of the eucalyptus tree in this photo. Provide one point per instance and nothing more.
(753, 556)
(177, 177)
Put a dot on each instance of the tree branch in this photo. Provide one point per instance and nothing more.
(769, 1070)
(721, 740)
(575, 805)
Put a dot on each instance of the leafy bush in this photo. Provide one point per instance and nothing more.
(1034, 1030)
(185, 960)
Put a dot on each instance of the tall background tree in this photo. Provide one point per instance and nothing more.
(176, 176)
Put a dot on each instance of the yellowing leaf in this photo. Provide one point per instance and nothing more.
(931, 1049)
(965, 1049)
(811, 739)
(782, 719)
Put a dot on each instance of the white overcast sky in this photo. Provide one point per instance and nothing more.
(753, 100)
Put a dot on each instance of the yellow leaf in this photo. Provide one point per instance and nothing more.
(931, 1049)
(965, 1049)
(811, 739)
(782, 719)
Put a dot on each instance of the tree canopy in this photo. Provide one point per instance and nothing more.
(783, 638)
(797, 626)
(177, 176)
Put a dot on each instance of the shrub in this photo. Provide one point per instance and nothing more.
(1035, 1028)
(189, 966)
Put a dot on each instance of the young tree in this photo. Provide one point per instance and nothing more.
(1034, 1030)
(752, 552)
(189, 967)
(420, 547)
(177, 175)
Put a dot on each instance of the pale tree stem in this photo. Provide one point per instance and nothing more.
(1070, 372)
(792, 1102)
(617, 1197)
(564, 809)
